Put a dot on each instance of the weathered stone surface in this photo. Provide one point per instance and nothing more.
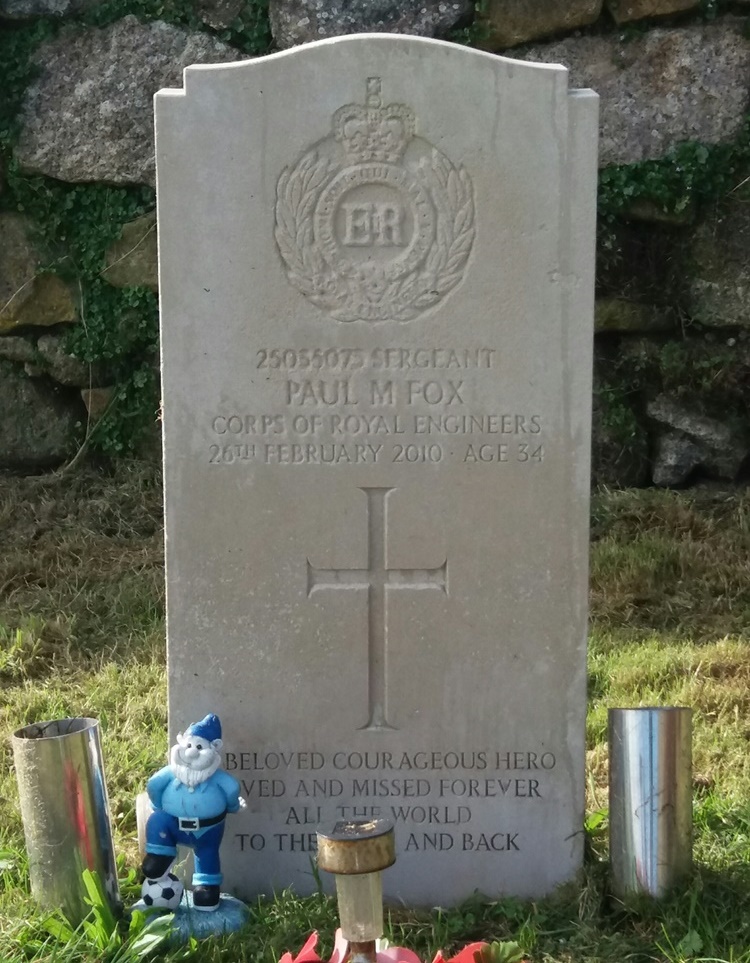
(623, 11)
(96, 400)
(620, 315)
(675, 459)
(722, 448)
(664, 87)
(40, 424)
(60, 365)
(511, 22)
(24, 9)
(718, 267)
(377, 336)
(26, 296)
(89, 114)
(133, 259)
(17, 349)
(300, 21)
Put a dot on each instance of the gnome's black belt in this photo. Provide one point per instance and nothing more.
(190, 824)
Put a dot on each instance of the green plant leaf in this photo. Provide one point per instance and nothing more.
(500, 952)
(690, 944)
(153, 935)
(102, 929)
(60, 928)
(596, 820)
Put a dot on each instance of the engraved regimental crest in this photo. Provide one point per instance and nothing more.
(373, 223)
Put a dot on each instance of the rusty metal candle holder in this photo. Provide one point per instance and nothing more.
(356, 852)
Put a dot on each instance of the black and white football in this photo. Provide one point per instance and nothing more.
(163, 893)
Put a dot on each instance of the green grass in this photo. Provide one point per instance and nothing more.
(82, 632)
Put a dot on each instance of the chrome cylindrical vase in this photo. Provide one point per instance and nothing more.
(65, 813)
(650, 799)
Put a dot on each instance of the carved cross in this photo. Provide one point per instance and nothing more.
(378, 579)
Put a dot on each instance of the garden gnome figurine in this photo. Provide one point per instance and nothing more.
(191, 798)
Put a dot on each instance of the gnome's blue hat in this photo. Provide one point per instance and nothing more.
(208, 728)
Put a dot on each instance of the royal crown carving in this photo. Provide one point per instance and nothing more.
(373, 223)
(372, 132)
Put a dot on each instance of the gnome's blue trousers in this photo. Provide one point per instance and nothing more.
(163, 835)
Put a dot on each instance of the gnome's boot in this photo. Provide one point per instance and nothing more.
(206, 898)
(155, 866)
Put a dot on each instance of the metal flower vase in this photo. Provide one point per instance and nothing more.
(650, 799)
(65, 813)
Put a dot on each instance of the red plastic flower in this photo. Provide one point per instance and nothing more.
(308, 955)
(471, 953)
(389, 954)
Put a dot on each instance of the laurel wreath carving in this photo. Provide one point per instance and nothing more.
(368, 294)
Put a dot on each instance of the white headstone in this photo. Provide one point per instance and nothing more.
(376, 268)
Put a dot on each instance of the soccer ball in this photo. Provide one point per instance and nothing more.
(163, 893)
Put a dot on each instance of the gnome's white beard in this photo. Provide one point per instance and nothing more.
(187, 776)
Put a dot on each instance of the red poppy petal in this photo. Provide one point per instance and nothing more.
(307, 954)
(469, 953)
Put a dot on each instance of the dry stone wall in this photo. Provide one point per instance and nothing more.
(78, 274)
(88, 114)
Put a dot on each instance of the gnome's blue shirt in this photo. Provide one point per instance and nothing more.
(220, 793)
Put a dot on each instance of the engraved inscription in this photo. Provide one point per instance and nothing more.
(374, 223)
(377, 579)
(351, 359)
(429, 794)
(379, 405)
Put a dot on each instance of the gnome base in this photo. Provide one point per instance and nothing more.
(229, 916)
(189, 921)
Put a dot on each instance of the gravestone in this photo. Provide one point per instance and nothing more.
(376, 268)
